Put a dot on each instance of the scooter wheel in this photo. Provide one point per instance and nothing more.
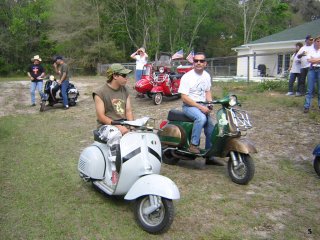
(72, 103)
(159, 220)
(316, 165)
(168, 158)
(157, 98)
(244, 173)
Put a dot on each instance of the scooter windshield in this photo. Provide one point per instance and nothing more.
(138, 122)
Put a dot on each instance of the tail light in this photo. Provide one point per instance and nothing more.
(163, 123)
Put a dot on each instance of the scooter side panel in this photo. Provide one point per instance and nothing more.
(153, 184)
(141, 155)
(92, 161)
(176, 134)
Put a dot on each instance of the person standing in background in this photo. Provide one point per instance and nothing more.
(36, 73)
(294, 68)
(313, 58)
(141, 59)
(62, 69)
(302, 55)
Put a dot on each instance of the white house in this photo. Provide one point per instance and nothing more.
(273, 51)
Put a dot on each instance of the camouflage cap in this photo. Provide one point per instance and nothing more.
(119, 68)
(116, 68)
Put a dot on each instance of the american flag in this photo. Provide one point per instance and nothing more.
(177, 55)
(190, 57)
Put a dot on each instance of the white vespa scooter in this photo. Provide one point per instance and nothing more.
(130, 166)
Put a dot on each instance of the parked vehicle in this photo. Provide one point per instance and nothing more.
(160, 80)
(52, 89)
(166, 84)
(130, 166)
(145, 84)
(227, 139)
(316, 161)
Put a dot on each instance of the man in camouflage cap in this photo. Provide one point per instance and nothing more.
(112, 101)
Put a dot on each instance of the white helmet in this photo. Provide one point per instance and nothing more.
(109, 133)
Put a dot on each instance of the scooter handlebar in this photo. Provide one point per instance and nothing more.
(208, 102)
(115, 122)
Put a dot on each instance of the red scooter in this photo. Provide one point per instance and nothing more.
(158, 80)
(166, 84)
(145, 84)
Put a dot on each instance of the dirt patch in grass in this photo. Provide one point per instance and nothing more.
(281, 202)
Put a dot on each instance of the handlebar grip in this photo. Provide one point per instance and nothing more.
(208, 103)
(115, 122)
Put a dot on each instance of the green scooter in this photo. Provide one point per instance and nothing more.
(227, 139)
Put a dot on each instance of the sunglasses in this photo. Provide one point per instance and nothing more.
(122, 75)
(199, 60)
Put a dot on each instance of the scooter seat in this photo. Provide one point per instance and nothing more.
(177, 115)
(177, 76)
(96, 136)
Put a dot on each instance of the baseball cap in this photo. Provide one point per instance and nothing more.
(308, 37)
(58, 58)
(119, 68)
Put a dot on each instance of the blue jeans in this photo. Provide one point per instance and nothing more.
(64, 86)
(292, 79)
(201, 120)
(33, 87)
(138, 74)
(313, 77)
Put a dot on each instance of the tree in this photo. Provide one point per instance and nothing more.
(23, 32)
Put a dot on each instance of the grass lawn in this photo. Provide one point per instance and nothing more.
(42, 196)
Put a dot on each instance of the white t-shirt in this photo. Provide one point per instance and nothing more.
(304, 61)
(314, 54)
(140, 62)
(296, 64)
(195, 85)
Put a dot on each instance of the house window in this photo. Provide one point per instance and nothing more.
(283, 63)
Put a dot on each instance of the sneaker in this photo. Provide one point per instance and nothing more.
(33, 104)
(298, 94)
(306, 110)
(289, 94)
(193, 149)
(66, 107)
(42, 106)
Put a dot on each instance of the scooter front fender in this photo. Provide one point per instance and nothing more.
(241, 145)
(157, 89)
(153, 184)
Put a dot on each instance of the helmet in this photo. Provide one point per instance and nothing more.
(109, 133)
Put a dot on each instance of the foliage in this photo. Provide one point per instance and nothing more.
(280, 86)
(24, 29)
(104, 31)
(42, 196)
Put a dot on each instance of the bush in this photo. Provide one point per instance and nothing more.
(280, 86)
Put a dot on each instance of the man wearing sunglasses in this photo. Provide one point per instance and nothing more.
(112, 101)
(313, 74)
(195, 86)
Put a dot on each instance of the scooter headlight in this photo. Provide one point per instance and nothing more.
(161, 69)
(233, 100)
(151, 123)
